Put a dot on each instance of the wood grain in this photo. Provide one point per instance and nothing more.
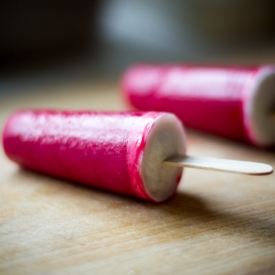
(216, 224)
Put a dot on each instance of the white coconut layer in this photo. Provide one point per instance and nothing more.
(166, 139)
(261, 107)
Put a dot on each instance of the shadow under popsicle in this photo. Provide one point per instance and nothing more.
(183, 210)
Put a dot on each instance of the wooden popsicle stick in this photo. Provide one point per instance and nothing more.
(224, 165)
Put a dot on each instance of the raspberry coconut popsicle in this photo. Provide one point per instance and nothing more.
(136, 153)
(233, 102)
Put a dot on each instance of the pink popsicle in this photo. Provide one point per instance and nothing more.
(233, 102)
(122, 152)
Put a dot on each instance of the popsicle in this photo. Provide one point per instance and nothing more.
(233, 102)
(136, 153)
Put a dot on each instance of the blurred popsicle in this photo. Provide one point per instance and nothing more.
(233, 102)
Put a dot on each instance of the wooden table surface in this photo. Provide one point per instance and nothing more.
(217, 223)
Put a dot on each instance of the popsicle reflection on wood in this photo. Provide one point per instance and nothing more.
(135, 153)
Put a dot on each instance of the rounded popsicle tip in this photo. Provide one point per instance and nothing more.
(259, 107)
(166, 138)
(261, 169)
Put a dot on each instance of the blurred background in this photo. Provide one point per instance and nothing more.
(46, 42)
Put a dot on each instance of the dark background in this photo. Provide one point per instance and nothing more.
(48, 41)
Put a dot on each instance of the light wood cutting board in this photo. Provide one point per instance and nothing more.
(217, 223)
